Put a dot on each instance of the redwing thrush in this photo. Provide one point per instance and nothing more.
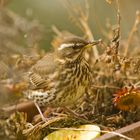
(61, 78)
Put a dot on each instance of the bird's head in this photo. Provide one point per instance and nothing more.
(74, 47)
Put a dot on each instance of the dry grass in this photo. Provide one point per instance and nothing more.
(115, 67)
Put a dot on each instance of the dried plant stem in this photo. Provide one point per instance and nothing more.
(105, 86)
(133, 30)
(80, 18)
(25, 106)
(56, 30)
(90, 37)
(118, 12)
(22, 107)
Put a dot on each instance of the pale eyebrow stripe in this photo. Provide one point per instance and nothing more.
(79, 44)
(62, 46)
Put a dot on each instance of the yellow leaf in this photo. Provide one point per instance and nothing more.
(84, 132)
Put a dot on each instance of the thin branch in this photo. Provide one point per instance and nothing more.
(133, 30)
(80, 19)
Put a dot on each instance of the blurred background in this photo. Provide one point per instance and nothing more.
(53, 12)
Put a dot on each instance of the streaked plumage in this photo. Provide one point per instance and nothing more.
(60, 78)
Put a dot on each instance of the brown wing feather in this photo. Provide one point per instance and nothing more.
(40, 72)
(36, 81)
(45, 66)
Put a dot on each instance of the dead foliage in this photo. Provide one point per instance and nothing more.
(113, 98)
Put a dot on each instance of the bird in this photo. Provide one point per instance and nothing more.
(60, 78)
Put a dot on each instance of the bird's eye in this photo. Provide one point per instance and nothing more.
(77, 46)
(74, 46)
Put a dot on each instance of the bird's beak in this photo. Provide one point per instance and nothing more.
(92, 43)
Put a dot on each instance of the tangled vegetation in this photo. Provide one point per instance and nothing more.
(113, 99)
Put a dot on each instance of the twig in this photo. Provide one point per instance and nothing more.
(105, 86)
(81, 21)
(55, 119)
(19, 107)
(55, 29)
(133, 30)
(22, 107)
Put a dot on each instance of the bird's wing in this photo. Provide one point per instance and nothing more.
(40, 72)
(45, 66)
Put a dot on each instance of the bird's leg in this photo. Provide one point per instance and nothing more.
(40, 112)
